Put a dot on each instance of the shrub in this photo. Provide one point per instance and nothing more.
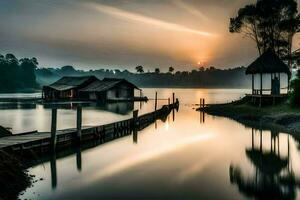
(295, 91)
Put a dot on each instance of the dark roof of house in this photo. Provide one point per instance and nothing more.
(69, 82)
(268, 62)
(105, 84)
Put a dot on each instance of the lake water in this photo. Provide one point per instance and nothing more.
(192, 156)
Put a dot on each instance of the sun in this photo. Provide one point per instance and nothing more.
(199, 63)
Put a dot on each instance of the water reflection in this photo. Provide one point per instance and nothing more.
(273, 176)
(53, 171)
(122, 108)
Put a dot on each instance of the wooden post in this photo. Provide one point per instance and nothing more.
(173, 98)
(135, 116)
(169, 101)
(79, 122)
(53, 128)
(200, 105)
(252, 83)
(261, 84)
(135, 119)
(203, 103)
(155, 101)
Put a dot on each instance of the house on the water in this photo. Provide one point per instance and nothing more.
(90, 88)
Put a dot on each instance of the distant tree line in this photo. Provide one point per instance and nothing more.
(17, 74)
(203, 77)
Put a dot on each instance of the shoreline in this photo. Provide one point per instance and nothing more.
(281, 117)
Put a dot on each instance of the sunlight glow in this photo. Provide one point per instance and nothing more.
(123, 14)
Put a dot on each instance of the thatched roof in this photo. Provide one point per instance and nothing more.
(268, 63)
(70, 82)
(106, 84)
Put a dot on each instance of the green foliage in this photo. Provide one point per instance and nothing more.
(295, 91)
(270, 23)
(17, 75)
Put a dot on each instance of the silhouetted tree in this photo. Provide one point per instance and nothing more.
(140, 69)
(171, 69)
(157, 70)
(270, 23)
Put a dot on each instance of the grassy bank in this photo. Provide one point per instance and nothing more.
(13, 178)
(282, 116)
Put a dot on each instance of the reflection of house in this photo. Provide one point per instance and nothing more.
(273, 177)
(90, 88)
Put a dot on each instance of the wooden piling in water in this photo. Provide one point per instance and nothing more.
(79, 122)
(173, 98)
(155, 101)
(49, 141)
(53, 128)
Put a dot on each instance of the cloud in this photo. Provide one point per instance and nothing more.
(123, 14)
(191, 9)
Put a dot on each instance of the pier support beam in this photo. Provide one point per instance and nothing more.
(155, 101)
(173, 100)
(53, 128)
(135, 124)
(79, 122)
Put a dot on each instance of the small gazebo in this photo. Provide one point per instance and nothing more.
(268, 63)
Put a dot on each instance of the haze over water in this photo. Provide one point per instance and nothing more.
(219, 159)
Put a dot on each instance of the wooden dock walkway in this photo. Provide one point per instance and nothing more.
(55, 140)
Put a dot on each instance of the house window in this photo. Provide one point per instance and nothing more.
(117, 94)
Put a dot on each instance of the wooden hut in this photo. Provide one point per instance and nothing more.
(109, 89)
(90, 88)
(67, 87)
(268, 63)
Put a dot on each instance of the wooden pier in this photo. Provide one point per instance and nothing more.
(54, 140)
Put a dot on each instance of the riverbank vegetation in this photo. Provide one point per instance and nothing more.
(295, 91)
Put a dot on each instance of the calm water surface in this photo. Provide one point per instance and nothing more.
(189, 157)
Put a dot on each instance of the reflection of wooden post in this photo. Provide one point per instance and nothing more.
(79, 122)
(53, 128)
(260, 140)
(78, 159)
(53, 171)
(252, 139)
(252, 83)
(155, 100)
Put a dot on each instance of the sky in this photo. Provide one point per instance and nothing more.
(121, 34)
